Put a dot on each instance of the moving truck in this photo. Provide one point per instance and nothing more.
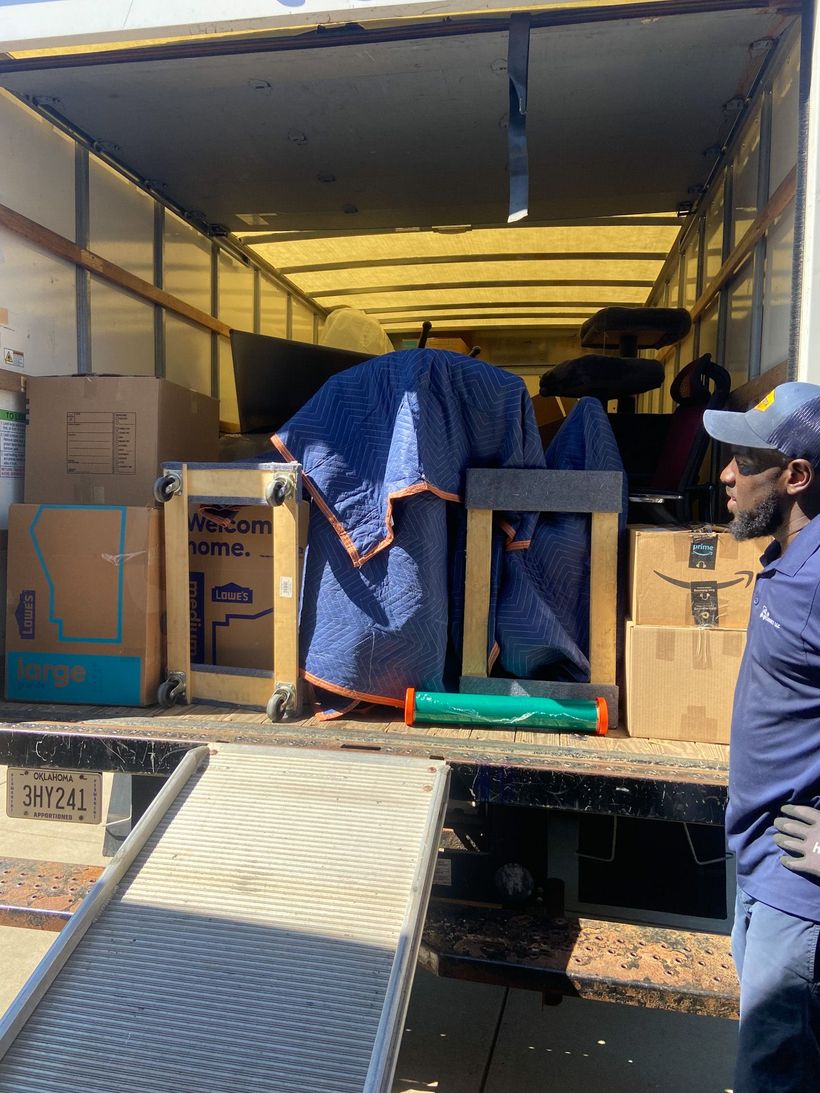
(166, 179)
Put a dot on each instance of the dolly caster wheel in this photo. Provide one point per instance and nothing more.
(277, 492)
(276, 706)
(170, 692)
(166, 486)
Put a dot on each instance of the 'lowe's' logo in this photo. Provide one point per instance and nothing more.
(25, 614)
(231, 593)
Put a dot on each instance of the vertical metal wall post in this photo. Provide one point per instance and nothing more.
(759, 253)
(723, 295)
(159, 279)
(701, 266)
(215, 313)
(82, 277)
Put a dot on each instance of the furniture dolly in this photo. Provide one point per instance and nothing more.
(534, 490)
(279, 486)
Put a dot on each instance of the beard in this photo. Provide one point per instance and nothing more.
(765, 518)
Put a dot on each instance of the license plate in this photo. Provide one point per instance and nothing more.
(69, 795)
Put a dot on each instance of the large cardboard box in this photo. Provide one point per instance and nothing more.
(4, 558)
(691, 576)
(99, 440)
(680, 681)
(83, 604)
(231, 589)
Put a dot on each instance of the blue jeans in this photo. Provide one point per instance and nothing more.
(777, 963)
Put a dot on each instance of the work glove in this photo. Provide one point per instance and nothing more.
(798, 831)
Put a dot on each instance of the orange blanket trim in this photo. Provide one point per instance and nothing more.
(347, 542)
(357, 558)
(513, 543)
(322, 715)
(359, 696)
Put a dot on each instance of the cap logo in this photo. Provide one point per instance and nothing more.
(765, 402)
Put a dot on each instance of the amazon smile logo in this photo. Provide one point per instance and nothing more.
(703, 594)
(742, 574)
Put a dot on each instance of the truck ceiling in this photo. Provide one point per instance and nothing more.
(327, 151)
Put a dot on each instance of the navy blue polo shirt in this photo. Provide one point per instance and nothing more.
(775, 741)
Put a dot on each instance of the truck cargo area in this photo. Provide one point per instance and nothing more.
(184, 194)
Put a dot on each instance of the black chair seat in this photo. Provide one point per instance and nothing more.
(642, 327)
(602, 377)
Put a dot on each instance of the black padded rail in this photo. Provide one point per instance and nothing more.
(536, 490)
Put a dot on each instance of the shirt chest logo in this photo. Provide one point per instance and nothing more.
(764, 614)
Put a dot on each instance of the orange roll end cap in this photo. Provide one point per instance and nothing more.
(410, 706)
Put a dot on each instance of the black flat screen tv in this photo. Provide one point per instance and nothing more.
(275, 377)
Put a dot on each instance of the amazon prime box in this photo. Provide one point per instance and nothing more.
(698, 576)
(680, 682)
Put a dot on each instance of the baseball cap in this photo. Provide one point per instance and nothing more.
(786, 420)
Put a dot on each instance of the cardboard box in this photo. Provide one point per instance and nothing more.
(231, 589)
(83, 604)
(680, 681)
(691, 576)
(451, 345)
(4, 559)
(100, 440)
(12, 445)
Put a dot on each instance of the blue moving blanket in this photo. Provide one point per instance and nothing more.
(384, 447)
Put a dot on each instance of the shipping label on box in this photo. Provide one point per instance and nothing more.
(83, 604)
(680, 681)
(231, 589)
(691, 576)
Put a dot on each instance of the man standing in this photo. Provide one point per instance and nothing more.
(773, 486)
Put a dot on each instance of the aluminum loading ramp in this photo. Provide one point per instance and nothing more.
(261, 935)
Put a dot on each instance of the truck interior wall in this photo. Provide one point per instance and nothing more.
(39, 294)
(746, 327)
(53, 181)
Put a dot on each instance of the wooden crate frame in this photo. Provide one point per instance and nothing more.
(599, 493)
(279, 691)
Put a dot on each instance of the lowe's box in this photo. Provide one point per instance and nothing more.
(682, 576)
(231, 588)
(99, 440)
(83, 604)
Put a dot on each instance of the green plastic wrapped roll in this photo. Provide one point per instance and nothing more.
(517, 711)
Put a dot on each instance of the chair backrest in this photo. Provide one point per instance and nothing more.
(701, 385)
